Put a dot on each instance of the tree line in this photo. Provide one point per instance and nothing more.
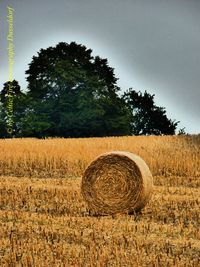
(71, 93)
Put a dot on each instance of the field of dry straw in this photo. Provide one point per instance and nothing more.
(44, 220)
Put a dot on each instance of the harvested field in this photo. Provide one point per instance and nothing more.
(44, 220)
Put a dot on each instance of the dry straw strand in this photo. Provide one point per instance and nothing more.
(116, 182)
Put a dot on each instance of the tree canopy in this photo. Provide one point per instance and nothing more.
(148, 119)
(19, 104)
(72, 93)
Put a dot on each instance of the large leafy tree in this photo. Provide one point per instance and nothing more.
(73, 94)
(148, 119)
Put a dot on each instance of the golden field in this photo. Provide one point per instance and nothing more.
(44, 220)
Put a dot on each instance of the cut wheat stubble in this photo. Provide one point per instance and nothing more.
(116, 182)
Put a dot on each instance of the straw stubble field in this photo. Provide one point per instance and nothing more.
(44, 220)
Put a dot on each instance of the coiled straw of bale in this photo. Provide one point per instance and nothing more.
(116, 182)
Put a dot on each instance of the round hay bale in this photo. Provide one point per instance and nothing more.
(116, 182)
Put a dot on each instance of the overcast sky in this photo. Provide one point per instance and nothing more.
(153, 45)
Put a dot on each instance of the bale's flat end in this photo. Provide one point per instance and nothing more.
(117, 182)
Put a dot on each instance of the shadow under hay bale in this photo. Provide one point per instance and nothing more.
(116, 182)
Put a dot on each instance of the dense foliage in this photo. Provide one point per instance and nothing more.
(73, 94)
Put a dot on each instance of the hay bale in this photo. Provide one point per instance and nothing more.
(116, 182)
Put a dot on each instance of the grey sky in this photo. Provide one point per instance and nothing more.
(153, 45)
